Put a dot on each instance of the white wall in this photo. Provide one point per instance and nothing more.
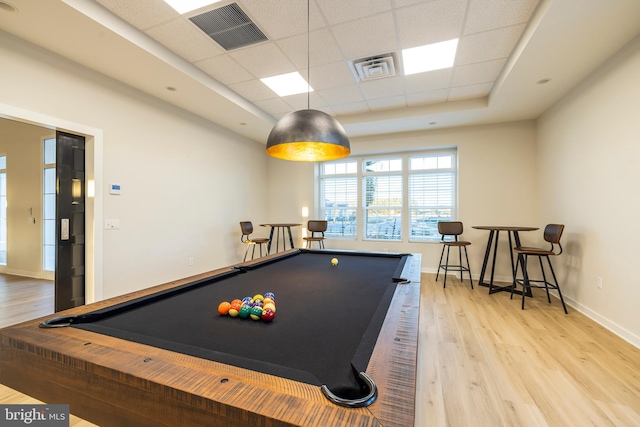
(186, 183)
(22, 144)
(589, 179)
(497, 186)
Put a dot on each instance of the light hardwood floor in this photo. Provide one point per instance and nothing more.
(484, 362)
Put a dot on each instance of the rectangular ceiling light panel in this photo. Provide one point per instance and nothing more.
(229, 26)
(287, 84)
(435, 56)
(184, 6)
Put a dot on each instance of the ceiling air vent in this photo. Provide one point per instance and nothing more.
(229, 26)
(374, 67)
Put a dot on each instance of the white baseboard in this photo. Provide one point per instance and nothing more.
(32, 274)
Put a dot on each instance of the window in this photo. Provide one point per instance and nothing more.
(49, 205)
(432, 193)
(339, 197)
(3, 210)
(382, 187)
(397, 197)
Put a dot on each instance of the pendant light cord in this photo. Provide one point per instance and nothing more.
(308, 55)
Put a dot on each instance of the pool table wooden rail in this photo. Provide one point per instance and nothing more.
(110, 381)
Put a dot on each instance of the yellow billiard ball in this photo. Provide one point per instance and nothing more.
(334, 261)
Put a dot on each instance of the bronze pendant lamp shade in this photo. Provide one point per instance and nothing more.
(308, 135)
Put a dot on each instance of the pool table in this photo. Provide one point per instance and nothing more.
(340, 351)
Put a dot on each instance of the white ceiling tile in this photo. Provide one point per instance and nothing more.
(374, 89)
(496, 44)
(274, 106)
(336, 74)
(322, 48)
(185, 39)
(338, 11)
(253, 90)
(341, 95)
(432, 80)
(367, 36)
(387, 103)
(429, 97)
(483, 72)
(351, 108)
(472, 91)
(263, 60)
(282, 18)
(486, 15)
(141, 13)
(224, 69)
(300, 101)
(431, 22)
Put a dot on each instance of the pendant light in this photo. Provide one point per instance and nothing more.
(308, 135)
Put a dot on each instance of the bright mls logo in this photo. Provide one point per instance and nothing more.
(34, 415)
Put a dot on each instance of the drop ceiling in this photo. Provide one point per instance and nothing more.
(505, 48)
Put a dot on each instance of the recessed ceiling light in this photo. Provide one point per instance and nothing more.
(429, 57)
(171, 88)
(543, 81)
(8, 7)
(287, 84)
(184, 6)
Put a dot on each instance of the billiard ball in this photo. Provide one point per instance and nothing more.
(270, 305)
(245, 311)
(258, 297)
(223, 308)
(256, 312)
(270, 295)
(233, 312)
(267, 315)
(246, 299)
(334, 261)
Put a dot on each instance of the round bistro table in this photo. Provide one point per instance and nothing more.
(494, 231)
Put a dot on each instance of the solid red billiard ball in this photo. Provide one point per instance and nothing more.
(223, 308)
(267, 315)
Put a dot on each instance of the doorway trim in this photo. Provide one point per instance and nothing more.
(94, 290)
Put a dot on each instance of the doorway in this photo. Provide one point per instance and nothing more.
(92, 241)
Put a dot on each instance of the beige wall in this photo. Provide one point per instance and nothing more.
(497, 185)
(22, 144)
(186, 183)
(589, 175)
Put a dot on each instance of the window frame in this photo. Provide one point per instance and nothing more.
(406, 233)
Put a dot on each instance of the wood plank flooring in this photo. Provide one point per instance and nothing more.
(482, 360)
(485, 362)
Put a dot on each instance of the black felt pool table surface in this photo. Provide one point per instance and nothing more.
(325, 328)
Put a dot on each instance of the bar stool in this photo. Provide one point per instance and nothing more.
(317, 228)
(453, 228)
(552, 234)
(247, 229)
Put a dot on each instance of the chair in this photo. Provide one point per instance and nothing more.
(552, 234)
(453, 229)
(317, 228)
(247, 229)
